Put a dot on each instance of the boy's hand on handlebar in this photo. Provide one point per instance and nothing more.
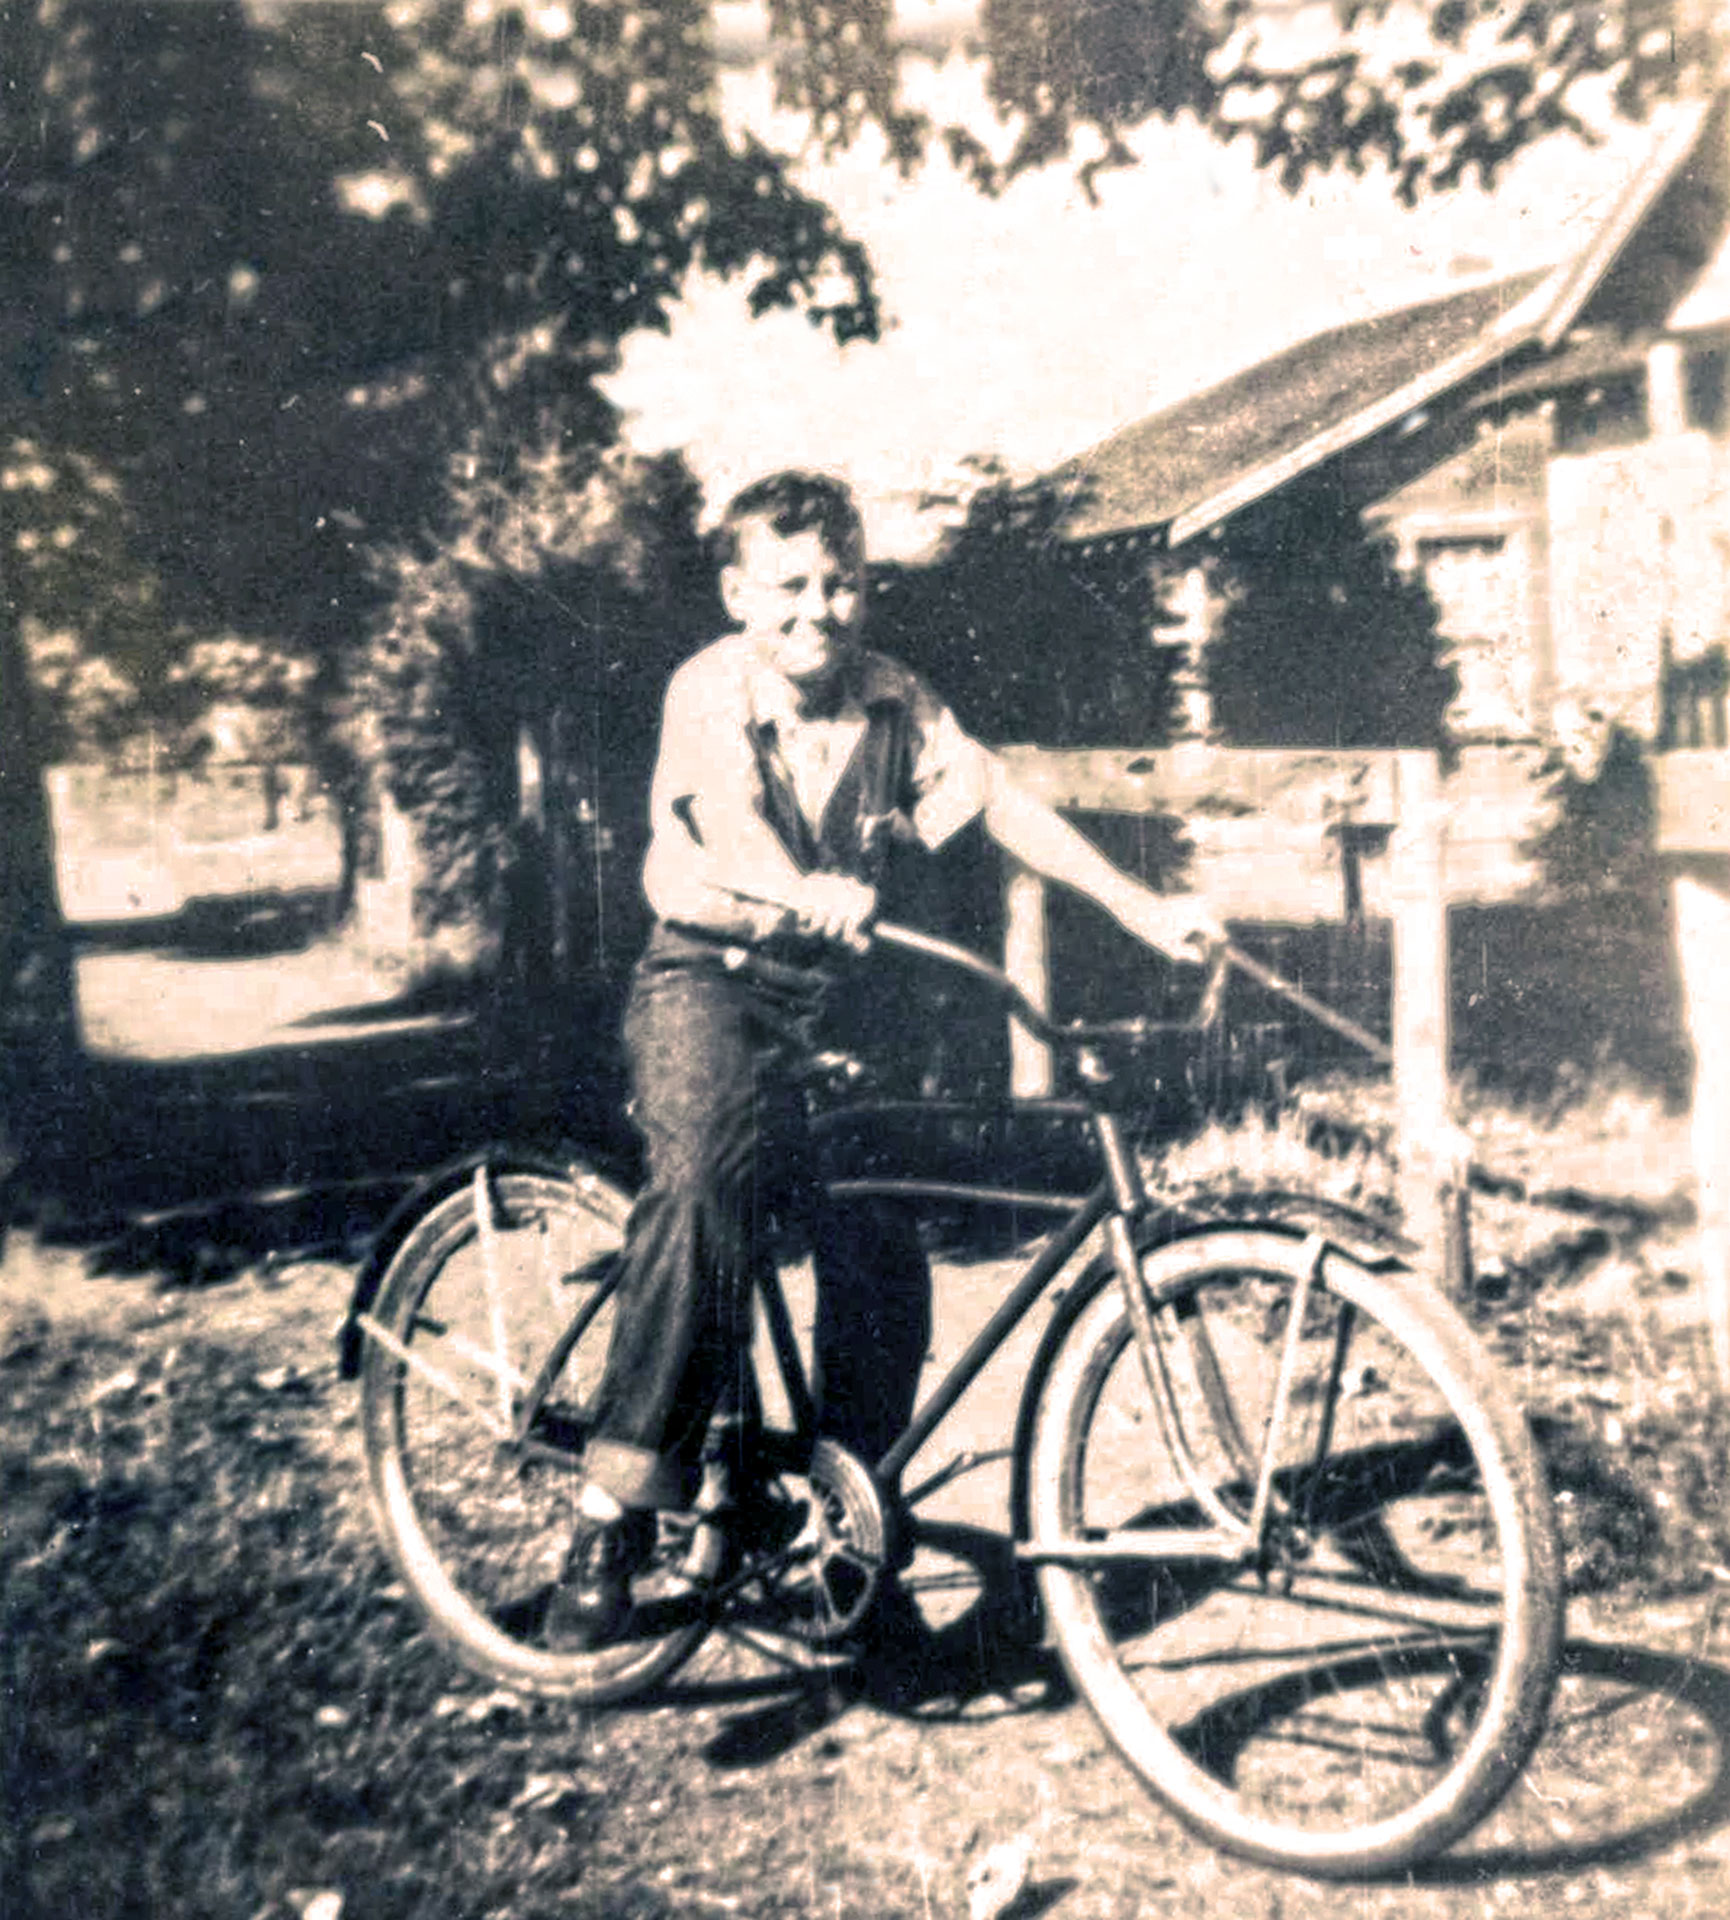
(1180, 925)
(836, 907)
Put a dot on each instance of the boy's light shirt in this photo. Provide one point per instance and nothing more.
(707, 768)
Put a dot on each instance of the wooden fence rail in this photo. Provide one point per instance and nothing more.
(1391, 806)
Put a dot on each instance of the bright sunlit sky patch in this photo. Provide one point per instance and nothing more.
(1031, 327)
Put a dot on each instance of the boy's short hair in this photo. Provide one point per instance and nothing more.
(793, 502)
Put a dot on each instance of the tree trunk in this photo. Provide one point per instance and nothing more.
(39, 1051)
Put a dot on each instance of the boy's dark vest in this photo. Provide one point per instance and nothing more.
(867, 811)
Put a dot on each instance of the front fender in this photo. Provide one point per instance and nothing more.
(426, 1193)
(1368, 1237)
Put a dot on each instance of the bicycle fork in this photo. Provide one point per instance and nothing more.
(1233, 1537)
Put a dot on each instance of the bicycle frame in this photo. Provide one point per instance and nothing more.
(1216, 1519)
(1117, 1202)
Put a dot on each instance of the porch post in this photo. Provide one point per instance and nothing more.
(1027, 961)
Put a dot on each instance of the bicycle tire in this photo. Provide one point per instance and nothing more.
(1420, 1566)
(477, 1528)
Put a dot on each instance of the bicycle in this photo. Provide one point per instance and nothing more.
(1289, 1530)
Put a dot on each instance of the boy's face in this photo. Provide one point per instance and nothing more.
(795, 598)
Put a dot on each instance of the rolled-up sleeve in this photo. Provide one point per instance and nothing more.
(953, 774)
(702, 807)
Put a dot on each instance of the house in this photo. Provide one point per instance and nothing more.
(1552, 449)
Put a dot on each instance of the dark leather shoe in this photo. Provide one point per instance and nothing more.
(592, 1602)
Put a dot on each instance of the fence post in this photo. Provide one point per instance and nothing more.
(1700, 891)
(1027, 961)
(1430, 1181)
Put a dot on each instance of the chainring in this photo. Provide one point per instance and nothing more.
(833, 1572)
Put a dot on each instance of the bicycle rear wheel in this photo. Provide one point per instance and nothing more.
(1359, 1693)
(500, 1298)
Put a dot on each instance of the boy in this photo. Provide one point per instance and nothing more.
(790, 757)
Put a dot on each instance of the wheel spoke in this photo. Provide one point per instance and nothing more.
(486, 1233)
(436, 1377)
(1363, 1688)
(1309, 1267)
(484, 1347)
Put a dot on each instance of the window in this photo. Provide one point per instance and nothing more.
(1707, 371)
(1609, 413)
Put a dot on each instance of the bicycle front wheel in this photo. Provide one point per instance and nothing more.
(483, 1354)
(1308, 1584)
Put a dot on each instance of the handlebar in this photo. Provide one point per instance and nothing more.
(1223, 958)
(1221, 961)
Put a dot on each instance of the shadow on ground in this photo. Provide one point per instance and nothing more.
(1635, 1759)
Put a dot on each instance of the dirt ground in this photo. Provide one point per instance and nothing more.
(218, 1704)
(354, 1772)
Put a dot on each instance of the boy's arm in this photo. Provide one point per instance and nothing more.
(1180, 925)
(714, 861)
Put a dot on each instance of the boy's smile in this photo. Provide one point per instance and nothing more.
(795, 599)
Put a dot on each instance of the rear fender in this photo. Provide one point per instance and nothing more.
(424, 1195)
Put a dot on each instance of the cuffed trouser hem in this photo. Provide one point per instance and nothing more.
(636, 1477)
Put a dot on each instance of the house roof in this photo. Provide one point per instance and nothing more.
(1583, 360)
(1181, 472)
(1192, 465)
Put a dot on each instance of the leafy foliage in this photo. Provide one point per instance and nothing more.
(1026, 638)
(89, 610)
(1323, 641)
(565, 589)
(260, 696)
(273, 270)
(1436, 94)
(91, 706)
(1599, 850)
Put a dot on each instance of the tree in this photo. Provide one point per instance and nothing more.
(1370, 673)
(262, 263)
(38, 1016)
(543, 616)
(983, 616)
(275, 269)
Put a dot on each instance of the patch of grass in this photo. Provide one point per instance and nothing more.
(217, 1703)
(214, 1698)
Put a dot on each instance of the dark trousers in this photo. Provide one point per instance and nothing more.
(714, 1056)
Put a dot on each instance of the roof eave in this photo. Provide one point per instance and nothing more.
(1543, 317)
(1586, 273)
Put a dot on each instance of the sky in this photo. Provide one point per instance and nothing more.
(1029, 328)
